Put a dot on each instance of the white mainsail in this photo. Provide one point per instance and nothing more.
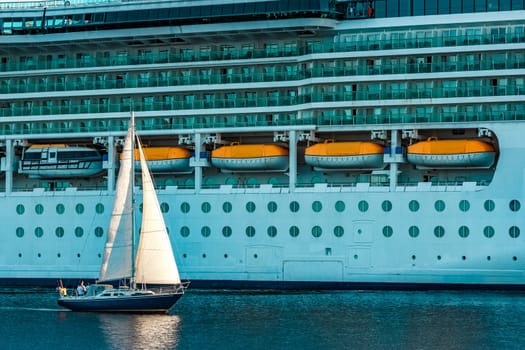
(119, 244)
(154, 262)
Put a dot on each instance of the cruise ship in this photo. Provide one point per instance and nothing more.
(298, 143)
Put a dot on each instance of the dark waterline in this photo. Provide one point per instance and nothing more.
(222, 319)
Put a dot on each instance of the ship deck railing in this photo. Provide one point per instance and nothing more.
(442, 186)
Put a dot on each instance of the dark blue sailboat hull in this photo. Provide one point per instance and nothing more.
(138, 303)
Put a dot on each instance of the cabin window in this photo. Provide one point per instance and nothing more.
(39, 231)
(99, 208)
(413, 205)
(59, 232)
(164, 207)
(514, 231)
(413, 231)
(205, 231)
(488, 231)
(79, 231)
(439, 205)
(205, 207)
(489, 205)
(250, 207)
(514, 205)
(19, 232)
(99, 231)
(79, 208)
(184, 231)
(272, 207)
(386, 205)
(271, 231)
(463, 232)
(439, 231)
(250, 231)
(294, 231)
(227, 207)
(317, 231)
(339, 231)
(60, 208)
(226, 231)
(339, 206)
(39, 209)
(388, 231)
(464, 205)
(317, 206)
(185, 207)
(294, 207)
(362, 206)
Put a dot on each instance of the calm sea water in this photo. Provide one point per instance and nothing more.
(219, 319)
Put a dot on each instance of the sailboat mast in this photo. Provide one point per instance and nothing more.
(133, 202)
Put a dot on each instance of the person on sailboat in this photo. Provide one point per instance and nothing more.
(81, 289)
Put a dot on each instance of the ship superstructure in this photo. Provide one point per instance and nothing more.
(318, 143)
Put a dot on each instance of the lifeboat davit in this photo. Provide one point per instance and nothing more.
(254, 157)
(463, 153)
(60, 161)
(356, 155)
(165, 159)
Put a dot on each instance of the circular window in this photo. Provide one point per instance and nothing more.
(413, 231)
(185, 207)
(339, 206)
(226, 231)
(205, 231)
(272, 231)
(294, 206)
(362, 206)
(488, 231)
(386, 205)
(272, 207)
(489, 205)
(79, 231)
(439, 231)
(164, 207)
(413, 205)
(79, 208)
(294, 231)
(184, 231)
(39, 232)
(463, 231)
(226, 207)
(388, 231)
(39, 209)
(250, 207)
(514, 205)
(317, 206)
(317, 231)
(19, 232)
(99, 208)
(20, 209)
(439, 205)
(339, 231)
(99, 231)
(205, 207)
(250, 231)
(514, 231)
(60, 208)
(59, 232)
(464, 205)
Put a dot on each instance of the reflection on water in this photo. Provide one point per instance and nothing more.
(141, 331)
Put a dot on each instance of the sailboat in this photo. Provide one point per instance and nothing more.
(151, 263)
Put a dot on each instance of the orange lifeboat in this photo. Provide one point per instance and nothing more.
(462, 153)
(165, 158)
(345, 155)
(252, 157)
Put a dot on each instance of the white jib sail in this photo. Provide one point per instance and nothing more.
(154, 262)
(117, 263)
